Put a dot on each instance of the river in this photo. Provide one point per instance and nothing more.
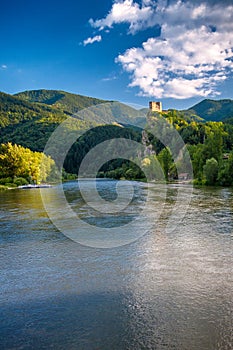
(165, 290)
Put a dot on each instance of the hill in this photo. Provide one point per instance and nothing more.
(72, 104)
(29, 118)
(62, 100)
(13, 110)
(212, 110)
(30, 123)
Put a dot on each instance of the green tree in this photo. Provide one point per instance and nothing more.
(214, 141)
(17, 161)
(165, 159)
(152, 169)
(198, 160)
(225, 176)
(211, 171)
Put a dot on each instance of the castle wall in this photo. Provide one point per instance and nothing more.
(155, 106)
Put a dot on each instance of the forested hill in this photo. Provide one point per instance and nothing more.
(72, 104)
(65, 101)
(29, 123)
(212, 110)
(29, 118)
(14, 110)
(25, 123)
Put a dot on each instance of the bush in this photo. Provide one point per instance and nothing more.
(6, 180)
(210, 170)
(20, 181)
(3, 188)
(101, 174)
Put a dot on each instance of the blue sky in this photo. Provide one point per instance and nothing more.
(177, 52)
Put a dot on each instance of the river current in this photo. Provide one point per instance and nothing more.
(165, 290)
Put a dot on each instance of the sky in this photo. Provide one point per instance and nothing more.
(133, 51)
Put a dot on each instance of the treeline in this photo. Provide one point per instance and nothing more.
(62, 100)
(15, 111)
(30, 124)
(20, 166)
(210, 146)
(95, 136)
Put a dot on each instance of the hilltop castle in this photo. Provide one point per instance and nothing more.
(155, 106)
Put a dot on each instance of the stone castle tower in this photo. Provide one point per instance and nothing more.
(155, 106)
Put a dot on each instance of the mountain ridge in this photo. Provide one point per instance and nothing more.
(29, 118)
(207, 109)
(212, 110)
(70, 103)
(66, 101)
(30, 123)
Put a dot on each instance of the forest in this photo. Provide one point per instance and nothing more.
(21, 166)
(209, 145)
(28, 119)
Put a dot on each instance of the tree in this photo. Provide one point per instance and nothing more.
(198, 160)
(214, 141)
(225, 173)
(17, 161)
(211, 171)
(152, 168)
(165, 159)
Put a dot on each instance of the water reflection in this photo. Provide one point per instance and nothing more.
(164, 291)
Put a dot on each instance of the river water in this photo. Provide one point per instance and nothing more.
(166, 290)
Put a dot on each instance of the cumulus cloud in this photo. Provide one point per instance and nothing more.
(126, 11)
(90, 40)
(181, 63)
(192, 55)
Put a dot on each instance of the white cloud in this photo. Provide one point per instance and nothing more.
(126, 11)
(192, 55)
(110, 78)
(90, 40)
(180, 64)
(4, 66)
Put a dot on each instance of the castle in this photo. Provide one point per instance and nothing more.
(155, 106)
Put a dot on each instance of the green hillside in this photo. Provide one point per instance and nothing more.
(65, 101)
(14, 110)
(72, 104)
(211, 110)
(30, 124)
(29, 118)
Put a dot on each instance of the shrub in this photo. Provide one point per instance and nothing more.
(6, 180)
(20, 181)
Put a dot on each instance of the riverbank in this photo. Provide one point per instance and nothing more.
(29, 186)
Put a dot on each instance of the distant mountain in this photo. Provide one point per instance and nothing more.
(29, 118)
(65, 101)
(212, 110)
(72, 104)
(13, 110)
(28, 124)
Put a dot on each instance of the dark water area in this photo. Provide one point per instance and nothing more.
(167, 290)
